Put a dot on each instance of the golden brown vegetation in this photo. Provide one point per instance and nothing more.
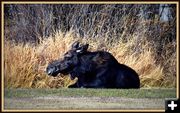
(25, 64)
(142, 36)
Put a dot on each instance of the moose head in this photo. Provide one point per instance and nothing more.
(69, 61)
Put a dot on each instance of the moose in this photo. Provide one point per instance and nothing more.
(97, 69)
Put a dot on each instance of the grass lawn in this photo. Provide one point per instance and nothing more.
(86, 99)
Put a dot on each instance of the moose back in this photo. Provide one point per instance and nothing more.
(93, 69)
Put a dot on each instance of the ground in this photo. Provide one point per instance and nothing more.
(86, 99)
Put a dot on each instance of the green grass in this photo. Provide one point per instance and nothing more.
(65, 92)
(92, 99)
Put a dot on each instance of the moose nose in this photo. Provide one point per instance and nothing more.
(49, 71)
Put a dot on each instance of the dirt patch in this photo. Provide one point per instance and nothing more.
(61, 102)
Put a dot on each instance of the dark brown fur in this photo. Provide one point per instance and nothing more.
(94, 69)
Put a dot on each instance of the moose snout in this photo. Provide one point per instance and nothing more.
(49, 71)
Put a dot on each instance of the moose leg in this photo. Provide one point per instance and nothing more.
(97, 82)
(94, 84)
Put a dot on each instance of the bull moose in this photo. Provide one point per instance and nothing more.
(97, 69)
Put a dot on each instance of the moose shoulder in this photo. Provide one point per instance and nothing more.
(94, 69)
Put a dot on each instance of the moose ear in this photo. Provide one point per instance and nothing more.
(82, 48)
(75, 45)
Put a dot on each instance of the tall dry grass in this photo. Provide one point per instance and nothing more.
(25, 64)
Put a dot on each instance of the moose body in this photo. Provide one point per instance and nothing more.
(94, 69)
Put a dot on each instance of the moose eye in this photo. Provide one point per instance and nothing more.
(67, 58)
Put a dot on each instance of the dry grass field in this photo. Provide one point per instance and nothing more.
(25, 64)
(141, 36)
(36, 34)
